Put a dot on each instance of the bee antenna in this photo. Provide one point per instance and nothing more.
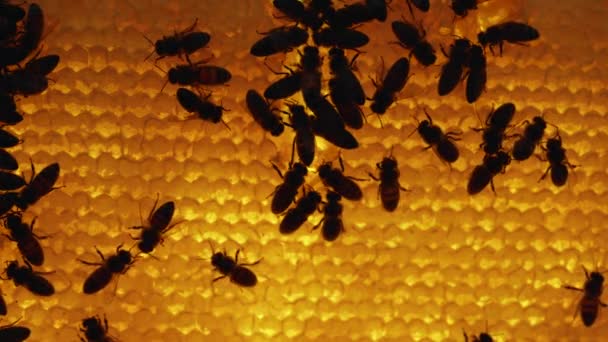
(211, 246)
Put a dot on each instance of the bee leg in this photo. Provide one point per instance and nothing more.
(544, 174)
(89, 263)
(318, 224)
(568, 287)
(466, 337)
(9, 237)
(252, 263)
(492, 185)
(218, 278)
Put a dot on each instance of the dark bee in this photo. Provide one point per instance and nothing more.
(26, 276)
(8, 139)
(422, 5)
(590, 303)
(442, 143)
(462, 7)
(332, 217)
(496, 124)
(10, 181)
(286, 86)
(483, 174)
(389, 188)
(378, 9)
(476, 82)
(8, 110)
(10, 15)
(349, 15)
(558, 164)
(393, 82)
(94, 330)
(27, 241)
(295, 217)
(297, 12)
(7, 201)
(280, 39)
(510, 31)
(524, 147)
(181, 43)
(285, 193)
(335, 179)
(411, 38)
(116, 264)
(229, 267)
(12, 333)
(28, 41)
(157, 225)
(304, 141)
(343, 38)
(345, 89)
(40, 185)
(201, 107)
(7, 161)
(197, 74)
(31, 79)
(451, 72)
(263, 114)
(3, 309)
(483, 337)
(310, 64)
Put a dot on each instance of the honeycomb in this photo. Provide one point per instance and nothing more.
(442, 263)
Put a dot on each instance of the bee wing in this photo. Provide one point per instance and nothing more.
(282, 198)
(162, 216)
(99, 279)
(44, 181)
(39, 285)
(243, 277)
(14, 333)
(480, 178)
(292, 221)
(349, 189)
(332, 228)
(31, 250)
(43, 65)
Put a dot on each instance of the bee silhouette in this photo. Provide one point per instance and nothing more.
(295, 217)
(26, 276)
(229, 267)
(7, 161)
(286, 86)
(462, 7)
(332, 224)
(524, 147)
(304, 141)
(39, 185)
(458, 60)
(590, 303)
(201, 107)
(8, 110)
(411, 38)
(198, 74)
(28, 41)
(94, 330)
(116, 264)
(510, 31)
(343, 38)
(27, 241)
(476, 81)
(345, 89)
(496, 123)
(335, 179)
(158, 223)
(285, 193)
(349, 15)
(389, 188)
(442, 143)
(31, 79)
(422, 5)
(10, 181)
(8, 139)
(11, 15)
(298, 13)
(263, 114)
(483, 174)
(394, 80)
(280, 39)
(180, 44)
(558, 164)
(14, 333)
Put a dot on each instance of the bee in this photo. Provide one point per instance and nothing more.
(7, 161)
(496, 123)
(285, 193)
(3, 309)
(26, 276)
(510, 31)
(8, 110)
(13, 333)
(422, 5)
(157, 225)
(342, 38)
(197, 74)
(280, 39)
(263, 114)
(411, 38)
(393, 82)
(8, 139)
(297, 12)
(39, 185)
(389, 189)
(590, 303)
(28, 41)
(335, 179)
(524, 147)
(332, 217)
(201, 107)
(285, 87)
(483, 174)
(349, 15)
(31, 79)
(442, 143)
(462, 7)
(558, 164)
(345, 89)
(27, 241)
(476, 82)
(116, 264)
(304, 141)
(10, 181)
(10, 15)
(180, 44)
(7, 201)
(229, 267)
(378, 9)
(483, 337)
(310, 64)
(333, 130)
(94, 330)
(295, 217)
(451, 72)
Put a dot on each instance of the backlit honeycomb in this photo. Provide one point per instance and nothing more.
(443, 262)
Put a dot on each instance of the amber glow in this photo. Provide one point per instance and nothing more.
(443, 262)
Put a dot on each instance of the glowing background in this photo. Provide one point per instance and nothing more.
(441, 263)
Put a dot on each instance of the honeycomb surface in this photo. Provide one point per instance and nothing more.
(442, 263)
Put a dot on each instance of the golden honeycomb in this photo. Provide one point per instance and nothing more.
(444, 262)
